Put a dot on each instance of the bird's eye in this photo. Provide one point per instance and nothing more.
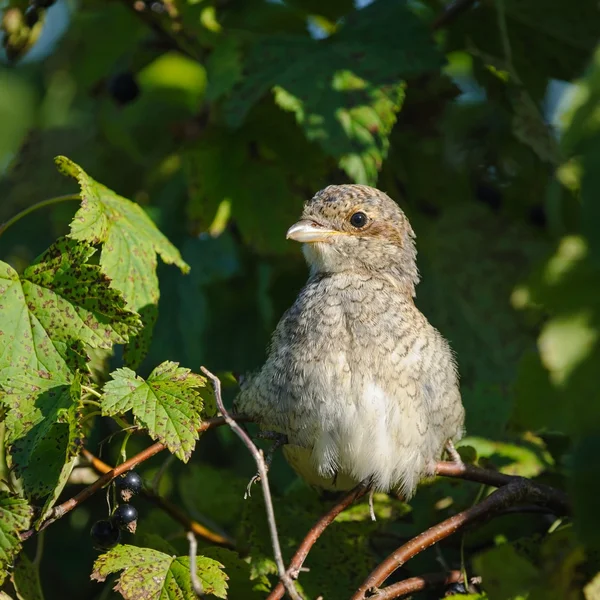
(358, 220)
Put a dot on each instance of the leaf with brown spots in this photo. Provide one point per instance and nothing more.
(130, 241)
(167, 404)
(59, 304)
(26, 579)
(15, 516)
(152, 575)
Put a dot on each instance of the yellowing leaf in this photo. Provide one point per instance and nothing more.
(53, 310)
(15, 516)
(152, 575)
(131, 242)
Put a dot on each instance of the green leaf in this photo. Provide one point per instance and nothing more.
(152, 575)
(131, 243)
(167, 404)
(215, 493)
(58, 299)
(506, 573)
(15, 516)
(56, 307)
(356, 75)
(561, 383)
(259, 194)
(239, 584)
(26, 579)
(224, 68)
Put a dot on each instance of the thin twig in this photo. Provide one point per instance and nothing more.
(313, 535)
(262, 471)
(62, 509)
(171, 509)
(196, 585)
(4, 226)
(417, 584)
(517, 491)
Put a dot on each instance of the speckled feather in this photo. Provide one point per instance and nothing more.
(362, 384)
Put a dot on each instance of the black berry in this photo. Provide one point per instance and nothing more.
(128, 485)
(456, 589)
(32, 16)
(125, 517)
(105, 535)
(123, 88)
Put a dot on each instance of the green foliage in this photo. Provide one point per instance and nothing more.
(215, 121)
(150, 574)
(26, 579)
(131, 243)
(167, 404)
(354, 111)
(15, 517)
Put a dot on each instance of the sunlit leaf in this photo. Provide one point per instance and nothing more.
(15, 516)
(54, 309)
(152, 575)
(131, 243)
(358, 72)
(167, 404)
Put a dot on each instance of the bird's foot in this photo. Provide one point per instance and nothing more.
(453, 453)
(279, 439)
(371, 507)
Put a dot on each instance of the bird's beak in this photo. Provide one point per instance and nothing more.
(308, 231)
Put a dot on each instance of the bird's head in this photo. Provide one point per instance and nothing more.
(357, 228)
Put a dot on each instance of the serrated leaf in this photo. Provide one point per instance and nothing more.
(357, 77)
(239, 584)
(26, 579)
(152, 575)
(131, 243)
(15, 516)
(57, 300)
(167, 404)
(59, 304)
(224, 68)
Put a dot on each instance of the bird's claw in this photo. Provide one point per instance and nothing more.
(254, 480)
(279, 439)
(453, 453)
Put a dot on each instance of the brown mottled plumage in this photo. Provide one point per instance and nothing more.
(363, 386)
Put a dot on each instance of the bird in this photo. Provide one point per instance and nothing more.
(364, 388)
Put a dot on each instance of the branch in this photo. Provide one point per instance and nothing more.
(313, 535)
(518, 490)
(539, 493)
(262, 471)
(450, 13)
(62, 509)
(171, 509)
(417, 584)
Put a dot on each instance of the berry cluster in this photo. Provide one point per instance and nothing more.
(107, 533)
